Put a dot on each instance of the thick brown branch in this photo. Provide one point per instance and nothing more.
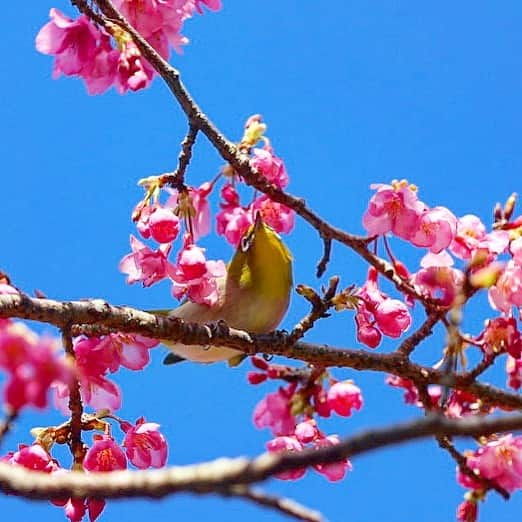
(126, 319)
(212, 477)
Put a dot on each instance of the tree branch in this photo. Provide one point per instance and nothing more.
(212, 477)
(130, 320)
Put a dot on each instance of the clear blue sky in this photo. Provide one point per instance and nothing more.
(354, 93)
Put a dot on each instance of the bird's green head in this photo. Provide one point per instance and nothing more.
(262, 262)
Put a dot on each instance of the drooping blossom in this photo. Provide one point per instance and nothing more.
(132, 70)
(435, 230)
(471, 236)
(343, 397)
(501, 335)
(72, 42)
(94, 357)
(320, 401)
(33, 457)
(333, 471)
(276, 215)
(232, 221)
(195, 277)
(144, 445)
(128, 350)
(286, 443)
(306, 431)
(514, 372)
(438, 279)
(507, 291)
(500, 461)
(393, 208)
(76, 508)
(411, 394)
(159, 223)
(467, 511)
(377, 313)
(270, 166)
(32, 365)
(104, 455)
(274, 412)
(144, 264)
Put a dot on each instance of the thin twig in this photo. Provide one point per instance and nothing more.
(7, 424)
(323, 263)
(425, 330)
(177, 179)
(75, 405)
(285, 506)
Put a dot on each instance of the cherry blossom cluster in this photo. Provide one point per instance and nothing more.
(192, 275)
(498, 460)
(95, 358)
(288, 413)
(107, 56)
(143, 446)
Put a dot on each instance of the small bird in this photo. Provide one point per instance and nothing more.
(253, 295)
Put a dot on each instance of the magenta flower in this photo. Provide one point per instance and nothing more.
(132, 70)
(411, 394)
(286, 444)
(306, 431)
(392, 317)
(270, 166)
(343, 397)
(32, 366)
(276, 215)
(129, 350)
(393, 208)
(144, 445)
(34, 458)
(499, 460)
(104, 455)
(336, 470)
(274, 412)
(467, 511)
(501, 335)
(507, 291)
(195, 277)
(436, 229)
(163, 225)
(145, 265)
(72, 42)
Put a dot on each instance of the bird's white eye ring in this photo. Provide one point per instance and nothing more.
(246, 242)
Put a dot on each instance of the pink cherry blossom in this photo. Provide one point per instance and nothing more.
(145, 265)
(32, 366)
(270, 166)
(471, 236)
(34, 458)
(233, 222)
(195, 277)
(94, 357)
(129, 350)
(411, 394)
(442, 283)
(467, 511)
(501, 335)
(436, 229)
(276, 215)
(392, 317)
(100, 73)
(514, 372)
(343, 397)
(285, 443)
(144, 444)
(72, 42)
(507, 291)
(274, 412)
(76, 508)
(393, 208)
(367, 333)
(163, 225)
(501, 461)
(320, 402)
(334, 471)
(132, 70)
(306, 431)
(104, 455)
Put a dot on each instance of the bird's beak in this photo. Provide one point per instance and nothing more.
(258, 221)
